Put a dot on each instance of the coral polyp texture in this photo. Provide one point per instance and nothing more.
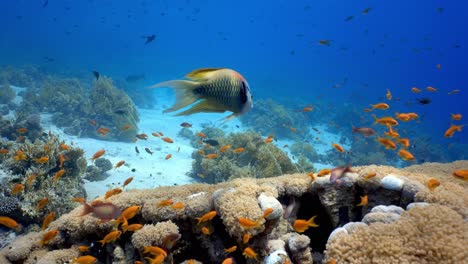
(374, 214)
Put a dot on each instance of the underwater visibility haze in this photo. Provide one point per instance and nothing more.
(157, 131)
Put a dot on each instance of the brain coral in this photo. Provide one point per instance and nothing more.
(432, 234)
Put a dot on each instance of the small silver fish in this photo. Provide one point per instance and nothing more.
(217, 90)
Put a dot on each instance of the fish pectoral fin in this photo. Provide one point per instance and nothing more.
(201, 74)
(205, 106)
(230, 117)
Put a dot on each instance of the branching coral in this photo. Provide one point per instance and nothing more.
(257, 159)
(270, 117)
(35, 167)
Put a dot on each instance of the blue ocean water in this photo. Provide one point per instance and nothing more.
(396, 45)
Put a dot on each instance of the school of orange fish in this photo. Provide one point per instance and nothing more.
(106, 211)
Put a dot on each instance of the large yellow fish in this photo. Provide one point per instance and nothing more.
(218, 89)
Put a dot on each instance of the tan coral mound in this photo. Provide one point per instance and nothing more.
(432, 234)
(441, 171)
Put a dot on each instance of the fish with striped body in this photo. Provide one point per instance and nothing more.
(216, 89)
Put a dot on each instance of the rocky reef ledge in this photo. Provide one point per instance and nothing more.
(402, 221)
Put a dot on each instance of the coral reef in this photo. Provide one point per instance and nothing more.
(7, 94)
(97, 172)
(112, 108)
(101, 111)
(47, 168)
(256, 159)
(270, 117)
(204, 222)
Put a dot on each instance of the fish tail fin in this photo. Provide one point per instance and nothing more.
(375, 118)
(354, 128)
(87, 209)
(184, 93)
(102, 242)
(311, 222)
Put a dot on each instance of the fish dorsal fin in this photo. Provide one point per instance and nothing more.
(201, 74)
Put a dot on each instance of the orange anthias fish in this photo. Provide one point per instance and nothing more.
(168, 156)
(206, 217)
(200, 134)
(247, 223)
(301, 225)
(463, 174)
(406, 155)
(431, 89)
(61, 159)
(404, 141)
(103, 130)
(391, 133)
(381, 106)
(49, 218)
(323, 172)
(206, 231)
(98, 154)
(215, 90)
(238, 150)
(9, 222)
(211, 156)
(178, 206)
(228, 261)
(87, 259)
(167, 139)
(165, 203)
(41, 203)
(125, 127)
(387, 143)
(112, 192)
(48, 237)
(20, 155)
(224, 148)
(405, 117)
(338, 147)
(110, 237)
(127, 182)
(42, 160)
(231, 249)
(370, 175)
(415, 90)
(120, 163)
(452, 129)
(388, 95)
(17, 188)
(267, 212)
(388, 120)
(129, 213)
(245, 238)
(456, 117)
(58, 174)
(364, 201)
(154, 250)
(433, 183)
(249, 253)
(64, 146)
